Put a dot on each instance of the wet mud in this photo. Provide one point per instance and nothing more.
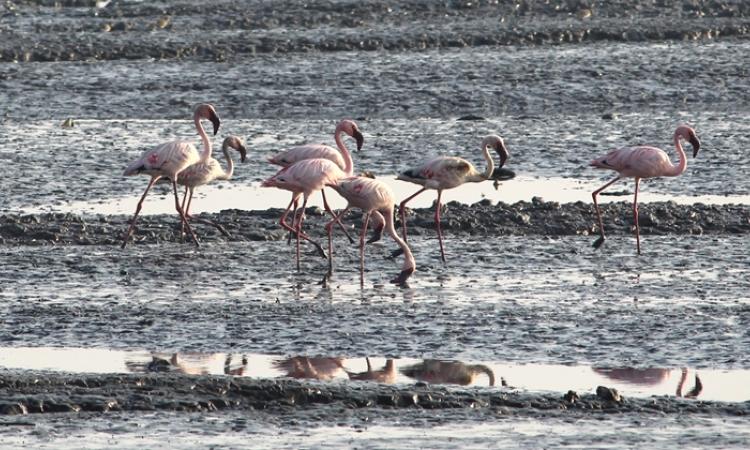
(480, 219)
(86, 86)
(79, 31)
(45, 393)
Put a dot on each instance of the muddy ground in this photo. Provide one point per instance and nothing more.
(481, 219)
(561, 81)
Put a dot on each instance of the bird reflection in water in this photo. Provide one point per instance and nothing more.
(447, 372)
(385, 375)
(316, 368)
(190, 364)
(652, 377)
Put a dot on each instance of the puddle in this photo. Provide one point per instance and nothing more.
(704, 384)
(215, 198)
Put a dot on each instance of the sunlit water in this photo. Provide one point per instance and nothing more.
(721, 385)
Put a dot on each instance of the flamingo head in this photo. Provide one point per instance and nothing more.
(496, 142)
(207, 111)
(236, 143)
(350, 127)
(689, 135)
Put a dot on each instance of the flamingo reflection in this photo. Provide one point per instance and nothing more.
(190, 364)
(652, 377)
(385, 375)
(324, 369)
(447, 372)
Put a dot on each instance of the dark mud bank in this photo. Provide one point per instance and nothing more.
(78, 31)
(42, 393)
(481, 219)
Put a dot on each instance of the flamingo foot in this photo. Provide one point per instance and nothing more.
(598, 243)
(319, 249)
(403, 276)
(377, 234)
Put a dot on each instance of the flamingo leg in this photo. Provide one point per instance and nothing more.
(291, 233)
(402, 211)
(137, 211)
(598, 243)
(329, 231)
(286, 226)
(219, 227)
(362, 236)
(635, 217)
(299, 227)
(338, 221)
(184, 203)
(439, 229)
(182, 214)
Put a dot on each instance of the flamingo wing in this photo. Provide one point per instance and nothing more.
(309, 151)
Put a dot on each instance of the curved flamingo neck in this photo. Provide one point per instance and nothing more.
(348, 163)
(409, 262)
(230, 163)
(204, 137)
(682, 165)
(487, 157)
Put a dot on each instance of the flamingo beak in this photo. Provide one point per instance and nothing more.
(695, 143)
(214, 118)
(243, 152)
(360, 139)
(502, 152)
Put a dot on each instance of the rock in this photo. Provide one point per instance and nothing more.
(608, 394)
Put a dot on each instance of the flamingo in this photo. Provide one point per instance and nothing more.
(205, 171)
(447, 172)
(168, 160)
(316, 151)
(642, 162)
(310, 175)
(369, 195)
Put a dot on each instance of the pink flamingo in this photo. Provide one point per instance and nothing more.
(311, 175)
(168, 160)
(447, 172)
(369, 195)
(642, 162)
(315, 151)
(205, 171)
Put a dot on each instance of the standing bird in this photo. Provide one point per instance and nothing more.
(315, 151)
(642, 162)
(370, 196)
(205, 171)
(447, 172)
(311, 175)
(168, 160)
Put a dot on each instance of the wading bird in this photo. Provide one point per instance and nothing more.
(207, 170)
(447, 172)
(369, 195)
(315, 151)
(168, 160)
(311, 175)
(642, 162)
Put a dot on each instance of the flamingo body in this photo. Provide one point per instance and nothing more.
(642, 162)
(308, 151)
(165, 160)
(207, 170)
(448, 172)
(632, 162)
(310, 175)
(371, 196)
(169, 159)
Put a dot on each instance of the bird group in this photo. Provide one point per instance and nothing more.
(310, 168)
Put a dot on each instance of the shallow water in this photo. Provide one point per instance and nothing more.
(716, 385)
(525, 300)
